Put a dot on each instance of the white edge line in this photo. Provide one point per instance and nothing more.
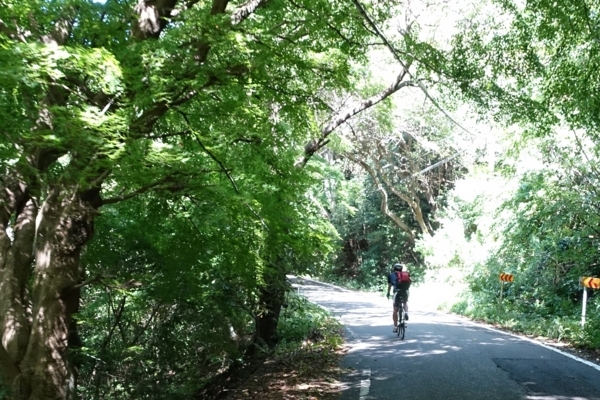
(581, 360)
(319, 282)
(349, 330)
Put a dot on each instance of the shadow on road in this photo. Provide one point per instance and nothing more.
(443, 356)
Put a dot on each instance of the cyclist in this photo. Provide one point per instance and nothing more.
(400, 281)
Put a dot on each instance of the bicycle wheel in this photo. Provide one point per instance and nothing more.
(401, 330)
(401, 326)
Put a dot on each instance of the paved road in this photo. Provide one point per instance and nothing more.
(445, 357)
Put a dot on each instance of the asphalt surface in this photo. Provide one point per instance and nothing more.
(444, 356)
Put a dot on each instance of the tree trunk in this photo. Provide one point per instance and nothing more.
(37, 332)
(272, 296)
(16, 253)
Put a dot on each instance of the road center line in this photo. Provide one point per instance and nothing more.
(365, 385)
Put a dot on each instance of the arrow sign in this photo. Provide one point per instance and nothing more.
(593, 283)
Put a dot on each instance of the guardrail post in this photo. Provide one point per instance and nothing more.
(584, 306)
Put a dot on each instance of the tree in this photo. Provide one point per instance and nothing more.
(395, 165)
(101, 103)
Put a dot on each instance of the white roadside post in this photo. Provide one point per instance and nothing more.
(583, 307)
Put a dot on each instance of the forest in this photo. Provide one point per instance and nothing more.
(166, 164)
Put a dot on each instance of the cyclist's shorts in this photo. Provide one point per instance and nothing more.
(401, 293)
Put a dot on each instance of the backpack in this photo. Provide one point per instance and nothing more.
(403, 280)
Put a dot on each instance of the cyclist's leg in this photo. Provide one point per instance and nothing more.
(396, 306)
(405, 302)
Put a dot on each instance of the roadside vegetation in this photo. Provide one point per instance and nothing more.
(535, 232)
(306, 362)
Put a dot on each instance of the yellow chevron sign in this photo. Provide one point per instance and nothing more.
(590, 282)
(507, 277)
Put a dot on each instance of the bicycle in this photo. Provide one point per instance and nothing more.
(401, 321)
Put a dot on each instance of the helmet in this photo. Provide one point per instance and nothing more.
(397, 267)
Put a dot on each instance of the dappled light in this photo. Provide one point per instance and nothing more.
(296, 378)
(169, 167)
(10, 331)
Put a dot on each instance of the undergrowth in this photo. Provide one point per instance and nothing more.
(303, 324)
(306, 361)
(561, 325)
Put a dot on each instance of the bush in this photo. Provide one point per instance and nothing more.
(590, 336)
(303, 323)
(549, 319)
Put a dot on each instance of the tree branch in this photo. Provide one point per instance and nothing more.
(166, 135)
(211, 155)
(349, 112)
(333, 28)
(370, 102)
(88, 281)
(396, 55)
(115, 323)
(98, 181)
(155, 13)
(245, 10)
(14, 35)
(384, 197)
(414, 205)
(152, 18)
(147, 120)
(133, 194)
(146, 325)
